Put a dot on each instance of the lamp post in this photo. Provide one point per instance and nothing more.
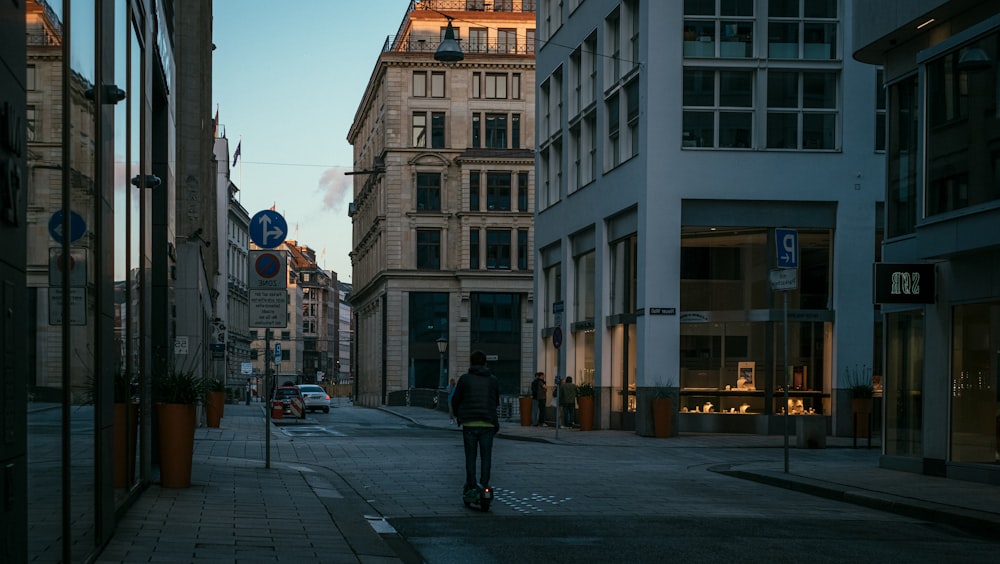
(442, 344)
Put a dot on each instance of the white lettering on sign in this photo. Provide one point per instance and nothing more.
(905, 283)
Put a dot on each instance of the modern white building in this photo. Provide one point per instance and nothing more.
(675, 141)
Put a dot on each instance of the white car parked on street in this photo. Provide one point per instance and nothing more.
(315, 397)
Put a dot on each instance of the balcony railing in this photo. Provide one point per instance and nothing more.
(398, 44)
(480, 5)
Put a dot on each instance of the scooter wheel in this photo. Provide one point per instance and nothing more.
(484, 505)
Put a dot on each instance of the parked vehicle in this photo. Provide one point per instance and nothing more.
(285, 395)
(315, 397)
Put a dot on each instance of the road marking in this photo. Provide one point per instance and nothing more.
(531, 504)
(380, 525)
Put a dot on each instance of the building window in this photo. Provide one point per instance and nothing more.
(498, 191)
(477, 42)
(498, 249)
(515, 86)
(962, 132)
(974, 401)
(904, 383)
(614, 144)
(632, 116)
(522, 191)
(437, 130)
(429, 249)
(631, 8)
(477, 85)
(901, 181)
(718, 109)
(529, 41)
(474, 248)
(419, 84)
(503, 5)
(476, 128)
(507, 41)
(802, 29)
(437, 84)
(428, 191)
(30, 82)
(880, 111)
(802, 110)
(496, 85)
(419, 129)
(515, 131)
(522, 249)
(474, 187)
(31, 124)
(613, 48)
(496, 131)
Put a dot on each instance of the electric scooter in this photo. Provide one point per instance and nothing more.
(480, 496)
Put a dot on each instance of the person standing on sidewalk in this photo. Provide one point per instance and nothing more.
(474, 403)
(538, 396)
(451, 393)
(567, 397)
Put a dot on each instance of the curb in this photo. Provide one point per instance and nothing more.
(975, 522)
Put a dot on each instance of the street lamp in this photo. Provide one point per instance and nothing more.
(449, 50)
(442, 344)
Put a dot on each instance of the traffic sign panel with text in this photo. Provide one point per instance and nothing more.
(268, 309)
(268, 270)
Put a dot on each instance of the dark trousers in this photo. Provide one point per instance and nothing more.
(478, 439)
(569, 414)
(540, 409)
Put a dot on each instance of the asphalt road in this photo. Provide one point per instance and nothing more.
(571, 503)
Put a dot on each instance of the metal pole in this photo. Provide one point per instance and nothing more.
(557, 381)
(267, 400)
(785, 380)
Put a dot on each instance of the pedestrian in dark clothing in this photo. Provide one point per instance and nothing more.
(538, 395)
(475, 403)
(567, 398)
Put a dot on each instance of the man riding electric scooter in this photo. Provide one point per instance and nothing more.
(477, 396)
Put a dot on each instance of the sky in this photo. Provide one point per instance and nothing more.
(287, 79)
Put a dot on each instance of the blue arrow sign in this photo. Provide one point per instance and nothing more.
(787, 241)
(268, 229)
(77, 226)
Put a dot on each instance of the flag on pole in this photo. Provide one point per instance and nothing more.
(215, 123)
(236, 154)
(274, 205)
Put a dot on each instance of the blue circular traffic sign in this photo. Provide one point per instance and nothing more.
(77, 226)
(268, 229)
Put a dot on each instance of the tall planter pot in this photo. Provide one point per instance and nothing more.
(126, 431)
(586, 412)
(663, 413)
(861, 411)
(215, 406)
(176, 426)
(524, 404)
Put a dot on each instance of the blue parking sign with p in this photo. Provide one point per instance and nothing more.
(787, 242)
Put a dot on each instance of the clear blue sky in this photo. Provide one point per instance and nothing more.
(287, 79)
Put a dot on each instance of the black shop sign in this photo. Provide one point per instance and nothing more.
(904, 283)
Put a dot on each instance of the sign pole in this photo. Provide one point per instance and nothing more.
(267, 400)
(785, 379)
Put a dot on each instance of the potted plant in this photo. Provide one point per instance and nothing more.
(177, 394)
(663, 412)
(585, 399)
(125, 429)
(861, 391)
(215, 402)
(524, 404)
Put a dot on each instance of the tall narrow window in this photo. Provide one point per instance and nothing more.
(428, 191)
(477, 40)
(632, 115)
(477, 85)
(437, 84)
(522, 249)
(474, 248)
(496, 85)
(515, 131)
(614, 130)
(419, 84)
(474, 186)
(507, 40)
(515, 86)
(522, 191)
(437, 130)
(419, 129)
(880, 110)
(476, 129)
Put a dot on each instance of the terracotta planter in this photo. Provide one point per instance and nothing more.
(586, 412)
(663, 413)
(861, 411)
(525, 407)
(176, 431)
(215, 406)
(126, 430)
